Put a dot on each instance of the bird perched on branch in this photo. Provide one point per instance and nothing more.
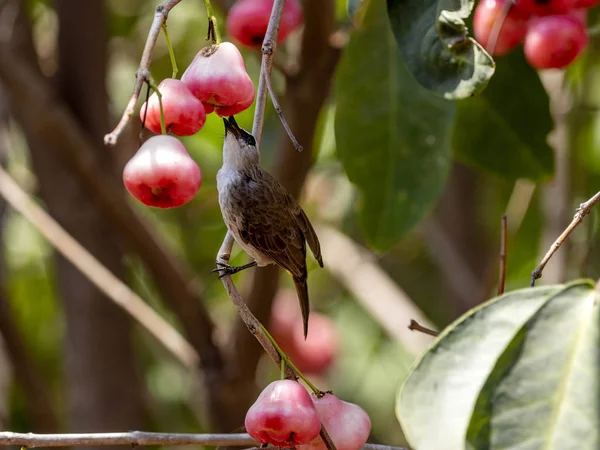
(263, 217)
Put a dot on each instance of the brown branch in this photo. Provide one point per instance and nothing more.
(502, 269)
(143, 72)
(29, 93)
(102, 278)
(138, 438)
(582, 211)
(416, 326)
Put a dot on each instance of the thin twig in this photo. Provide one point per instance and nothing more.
(416, 326)
(102, 278)
(279, 112)
(143, 72)
(138, 438)
(582, 211)
(503, 239)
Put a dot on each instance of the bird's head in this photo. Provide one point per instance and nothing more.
(239, 147)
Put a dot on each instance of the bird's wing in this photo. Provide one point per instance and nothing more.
(310, 235)
(271, 226)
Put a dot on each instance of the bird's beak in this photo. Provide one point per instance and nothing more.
(232, 127)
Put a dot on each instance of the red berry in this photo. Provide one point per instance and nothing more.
(544, 7)
(348, 424)
(184, 114)
(488, 13)
(217, 77)
(162, 174)
(553, 42)
(283, 415)
(248, 20)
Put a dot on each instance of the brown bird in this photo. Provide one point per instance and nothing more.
(263, 217)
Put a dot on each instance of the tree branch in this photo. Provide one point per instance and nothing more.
(138, 438)
(143, 72)
(582, 211)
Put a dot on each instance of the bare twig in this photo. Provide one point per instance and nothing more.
(503, 239)
(134, 438)
(279, 112)
(582, 211)
(138, 438)
(143, 72)
(416, 326)
(104, 280)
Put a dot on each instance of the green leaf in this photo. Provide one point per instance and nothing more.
(434, 41)
(504, 130)
(393, 136)
(435, 403)
(545, 392)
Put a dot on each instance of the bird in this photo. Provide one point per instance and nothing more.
(263, 217)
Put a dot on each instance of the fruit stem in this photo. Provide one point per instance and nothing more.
(171, 52)
(213, 29)
(150, 81)
(282, 376)
(285, 359)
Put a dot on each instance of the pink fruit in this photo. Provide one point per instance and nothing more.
(217, 77)
(554, 42)
(248, 20)
(283, 415)
(512, 32)
(184, 114)
(315, 354)
(544, 7)
(348, 424)
(162, 174)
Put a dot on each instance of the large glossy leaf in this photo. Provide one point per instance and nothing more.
(436, 401)
(504, 129)
(544, 392)
(434, 41)
(393, 136)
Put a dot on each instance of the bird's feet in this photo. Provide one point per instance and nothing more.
(225, 269)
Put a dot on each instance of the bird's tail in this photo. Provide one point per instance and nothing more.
(302, 290)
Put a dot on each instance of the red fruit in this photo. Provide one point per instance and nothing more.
(217, 77)
(348, 424)
(487, 14)
(248, 20)
(586, 4)
(162, 174)
(545, 7)
(554, 42)
(184, 114)
(283, 415)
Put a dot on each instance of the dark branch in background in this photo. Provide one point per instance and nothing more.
(306, 93)
(143, 72)
(503, 239)
(137, 438)
(582, 211)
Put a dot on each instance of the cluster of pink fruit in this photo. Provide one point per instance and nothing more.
(285, 415)
(553, 31)
(162, 174)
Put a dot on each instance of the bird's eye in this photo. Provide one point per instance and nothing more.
(250, 139)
